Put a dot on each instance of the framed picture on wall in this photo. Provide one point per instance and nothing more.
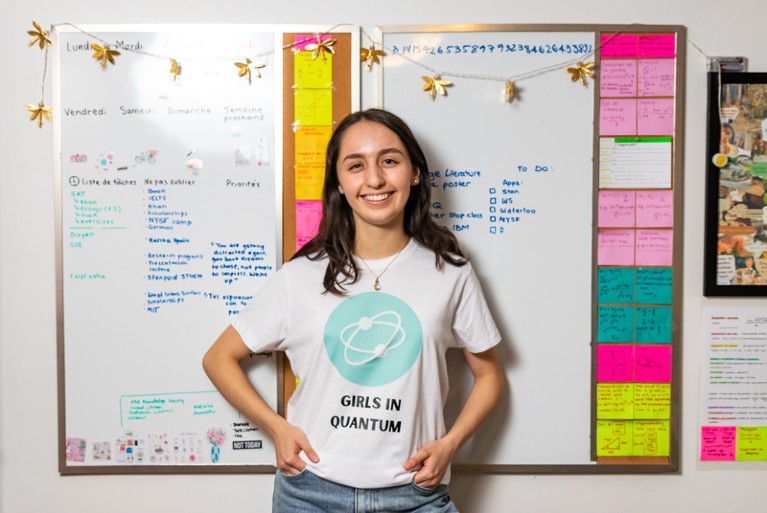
(735, 259)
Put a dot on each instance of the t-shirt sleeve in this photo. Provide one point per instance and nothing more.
(263, 323)
(473, 324)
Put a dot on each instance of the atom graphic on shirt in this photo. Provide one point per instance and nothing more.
(376, 342)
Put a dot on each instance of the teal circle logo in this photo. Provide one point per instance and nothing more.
(373, 338)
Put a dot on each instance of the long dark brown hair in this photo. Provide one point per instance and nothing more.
(335, 238)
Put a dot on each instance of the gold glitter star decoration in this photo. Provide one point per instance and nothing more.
(38, 112)
(436, 85)
(581, 71)
(175, 69)
(104, 54)
(371, 56)
(40, 36)
(321, 47)
(508, 93)
(247, 69)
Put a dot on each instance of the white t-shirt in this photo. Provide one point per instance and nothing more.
(371, 364)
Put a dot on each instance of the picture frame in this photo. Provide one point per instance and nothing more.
(735, 253)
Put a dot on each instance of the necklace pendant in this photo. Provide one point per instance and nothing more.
(376, 285)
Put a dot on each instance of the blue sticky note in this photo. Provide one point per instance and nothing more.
(615, 324)
(615, 285)
(654, 285)
(653, 325)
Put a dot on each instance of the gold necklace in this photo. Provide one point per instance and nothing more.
(377, 283)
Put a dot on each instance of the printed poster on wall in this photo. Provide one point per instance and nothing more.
(733, 401)
(169, 224)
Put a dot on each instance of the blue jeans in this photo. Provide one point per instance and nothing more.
(307, 493)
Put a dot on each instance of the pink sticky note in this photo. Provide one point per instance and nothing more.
(655, 209)
(306, 39)
(617, 46)
(616, 247)
(652, 363)
(717, 443)
(615, 363)
(618, 117)
(657, 45)
(656, 77)
(655, 117)
(308, 216)
(618, 78)
(654, 247)
(616, 209)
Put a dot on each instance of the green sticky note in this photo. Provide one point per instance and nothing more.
(312, 73)
(751, 443)
(615, 324)
(615, 285)
(651, 438)
(654, 285)
(313, 107)
(653, 325)
(615, 400)
(615, 437)
(652, 401)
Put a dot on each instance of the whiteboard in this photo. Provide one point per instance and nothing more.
(514, 182)
(168, 223)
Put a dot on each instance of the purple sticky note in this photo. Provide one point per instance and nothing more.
(616, 209)
(618, 46)
(652, 363)
(615, 363)
(655, 116)
(616, 247)
(717, 443)
(655, 209)
(656, 77)
(654, 247)
(618, 117)
(657, 45)
(618, 78)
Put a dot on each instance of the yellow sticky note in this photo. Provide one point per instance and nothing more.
(652, 400)
(651, 438)
(615, 400)
(751, 443)
(312, 73)
(615, 437)
(309, 180)
(313, 107)
(311, 142)
(310, 161)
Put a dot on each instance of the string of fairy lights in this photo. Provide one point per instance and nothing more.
(321, 44)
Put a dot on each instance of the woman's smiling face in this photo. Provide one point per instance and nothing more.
(375, 175)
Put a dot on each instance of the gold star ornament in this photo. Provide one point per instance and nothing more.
(104, 54)
(321, 47)
(371, 56)
(436, 85)
(508, 93)
(247, 69)
(175, 69)
(580, 71)
(38, 112)
(40, 36)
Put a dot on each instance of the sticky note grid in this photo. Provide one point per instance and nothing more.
(312, 126)
(635, 244)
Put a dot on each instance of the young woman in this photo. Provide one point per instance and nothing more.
(365, 313)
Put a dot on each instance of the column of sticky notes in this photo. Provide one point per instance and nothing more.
(635, 244)
(312, 125)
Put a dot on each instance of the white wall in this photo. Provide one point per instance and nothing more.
(29, 481)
